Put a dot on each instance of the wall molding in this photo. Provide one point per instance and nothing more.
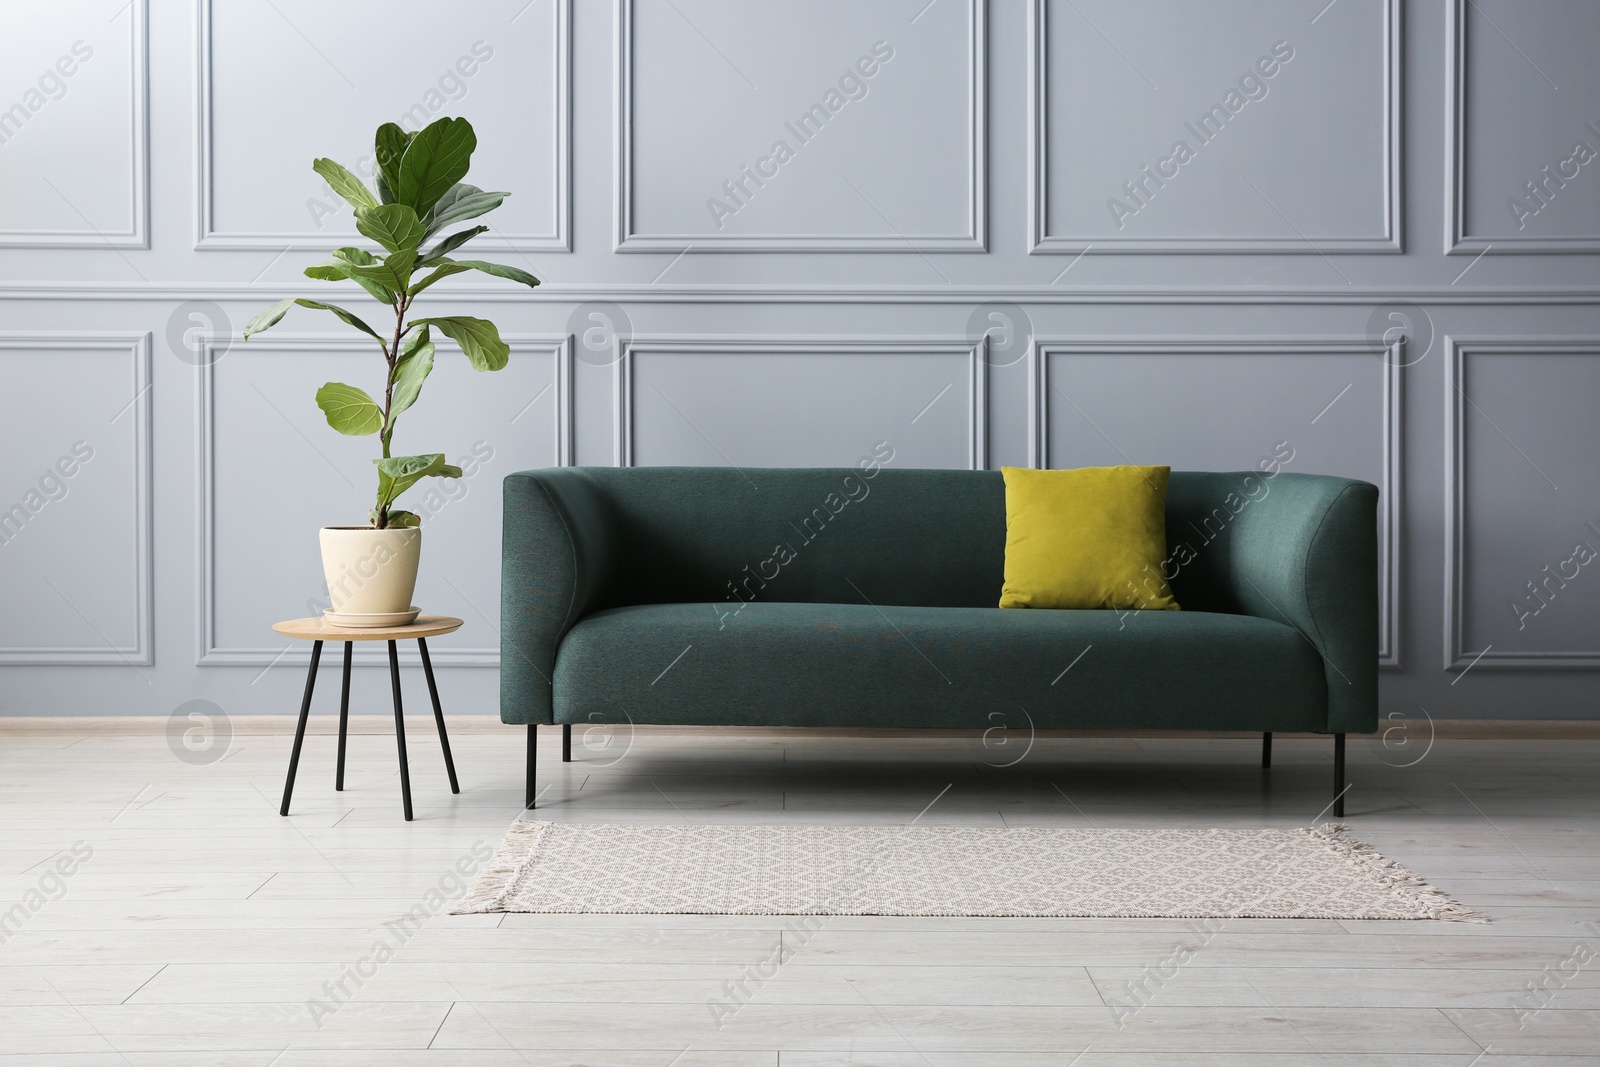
(1457, 241)
(1042, 242)
(208, 652)
(628, 239)
(558, 293)
(138, 164)
(138, 347)
(1390, 490)
(1456, 656)
(208, 238)
(975, 352)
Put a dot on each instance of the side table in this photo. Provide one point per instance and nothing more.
(317, 630)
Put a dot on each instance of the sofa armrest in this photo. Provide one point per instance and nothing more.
(1307, 554)
(558, 549)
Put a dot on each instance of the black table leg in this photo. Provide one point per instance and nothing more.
(438, 713)
(344, 714)
(300, 730)
(400, 729)
(566, 742)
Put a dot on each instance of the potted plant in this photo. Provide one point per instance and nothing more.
(371, 570)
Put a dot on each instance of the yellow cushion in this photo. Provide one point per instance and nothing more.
(1088, 538)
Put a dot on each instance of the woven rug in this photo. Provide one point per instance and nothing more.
(606, 868)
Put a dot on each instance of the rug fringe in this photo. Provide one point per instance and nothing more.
(494, 883)
(1396, 877)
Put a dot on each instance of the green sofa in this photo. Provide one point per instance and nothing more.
(714, 596)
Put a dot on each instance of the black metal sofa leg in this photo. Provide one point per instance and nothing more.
(1338, 776)
(533, 749)
(1266, 750)
(566, 742)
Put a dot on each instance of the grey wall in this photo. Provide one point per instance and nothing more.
(952, 262)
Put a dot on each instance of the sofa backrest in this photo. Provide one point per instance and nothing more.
(887, 536)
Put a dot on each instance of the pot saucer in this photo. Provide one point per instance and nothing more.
(363, 621)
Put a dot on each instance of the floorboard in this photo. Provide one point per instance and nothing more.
(203, 928)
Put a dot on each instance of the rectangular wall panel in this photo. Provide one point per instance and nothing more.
(814, 125)
(1524, 151)
(1234, 126)
(760, 402)
(259, 562)
(1523, 504)
(75, 501)
(1332, 406)
(502, 64)
(73, 130)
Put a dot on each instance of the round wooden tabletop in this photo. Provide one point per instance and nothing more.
(320, 629)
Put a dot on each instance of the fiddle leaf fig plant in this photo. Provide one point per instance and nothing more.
(419, 192)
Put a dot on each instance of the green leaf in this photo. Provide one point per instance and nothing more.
(499, 270)
(479, 340)
(362, 258)
(274, 314)
(399, 473)
(446, 268)
(450, 244)
(436, 159)
(394, 226)
(411, 346)
(267, 319)
(389, 145)
(347, 185)
(403, 520)
(409, 374)
(337, 271)
(460, 203)
(359, 256)
(350, 410)
(349, 319)
(393, 272)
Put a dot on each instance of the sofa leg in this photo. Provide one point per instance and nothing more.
(566, 742)
(1266, 750)
(533, 749)
(1338, 776)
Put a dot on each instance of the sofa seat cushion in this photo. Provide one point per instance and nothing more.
(803, 664)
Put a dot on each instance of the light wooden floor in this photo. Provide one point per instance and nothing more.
(203, 923)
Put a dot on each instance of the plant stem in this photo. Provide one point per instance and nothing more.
(391, 356)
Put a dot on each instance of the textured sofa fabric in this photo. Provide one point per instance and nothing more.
(857, 665)
(824, 597)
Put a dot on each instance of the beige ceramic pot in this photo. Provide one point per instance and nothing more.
(368, 571)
